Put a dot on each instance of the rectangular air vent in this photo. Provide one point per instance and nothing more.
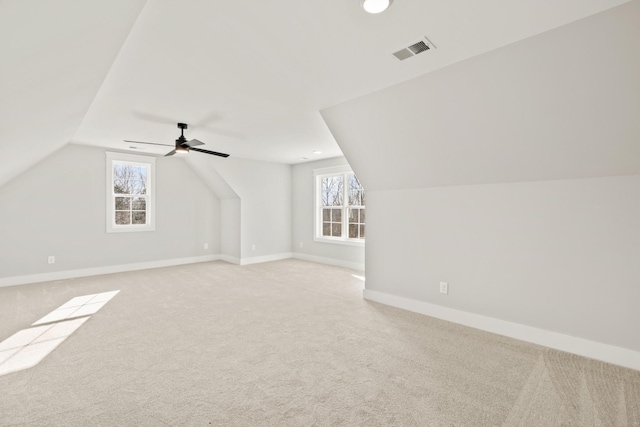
(414, 49)
(418, 47)
(403, 54)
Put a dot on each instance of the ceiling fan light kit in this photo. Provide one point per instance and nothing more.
(375, 6)
(183, 146)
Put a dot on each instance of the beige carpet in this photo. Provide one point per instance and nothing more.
(288, 343)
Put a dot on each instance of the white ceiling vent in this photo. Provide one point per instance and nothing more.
(414, 49)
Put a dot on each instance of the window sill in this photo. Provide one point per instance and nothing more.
(129, 229)
(339, 241)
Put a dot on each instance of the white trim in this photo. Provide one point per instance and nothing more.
(71, 274)
(339, 241)
(230, 259)
(85, 272)
(265, 258)
(580, 346)
(332, 170)
(329, 261)
(127, 157)
(344, 171)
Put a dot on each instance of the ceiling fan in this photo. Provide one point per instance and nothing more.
(182, 145)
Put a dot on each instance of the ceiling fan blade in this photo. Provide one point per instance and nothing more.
(194, 142)
(150, 143)
(209, 152)
(170, 153)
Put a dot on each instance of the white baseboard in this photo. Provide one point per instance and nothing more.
(71, 274)
(329, 261)
(592, 349)
(266, 258)
(229, 259)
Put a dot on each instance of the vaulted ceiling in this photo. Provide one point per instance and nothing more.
(248, 77)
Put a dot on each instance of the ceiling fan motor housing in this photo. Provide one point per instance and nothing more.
(181, 142)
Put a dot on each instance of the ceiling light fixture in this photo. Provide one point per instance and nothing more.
(317, 152)
(375, 6)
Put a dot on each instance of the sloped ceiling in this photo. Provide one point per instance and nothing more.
(248, 77)
(55, 56)
(564, 104)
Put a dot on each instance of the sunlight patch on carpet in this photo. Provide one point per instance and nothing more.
(28, 347)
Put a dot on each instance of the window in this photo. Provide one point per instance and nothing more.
(130, 192)
(340, 206)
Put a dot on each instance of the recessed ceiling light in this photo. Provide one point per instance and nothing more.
(375, 6)
(317, 152)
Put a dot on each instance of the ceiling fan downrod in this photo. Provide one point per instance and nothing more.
(181, 142)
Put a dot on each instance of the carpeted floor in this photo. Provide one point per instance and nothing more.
(288, 343)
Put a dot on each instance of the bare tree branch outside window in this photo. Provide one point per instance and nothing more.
(332, 191)
(130, 188)
(342, 212)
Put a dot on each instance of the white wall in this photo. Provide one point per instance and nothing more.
(550, 126)
(556, 255)
(230, 229)
(58, 207)
(264, 190)
(55, 57)
(560, 105)
(303, 220)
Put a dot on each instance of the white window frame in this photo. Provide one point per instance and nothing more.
(318, 174)
(150, 164)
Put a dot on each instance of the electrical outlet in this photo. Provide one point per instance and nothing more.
(444, 288)
(51, 259)
(206, 246)
(253, 247)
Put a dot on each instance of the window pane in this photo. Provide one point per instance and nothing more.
(331, 191)
(139, 204)
(356, 192)
(129, 179)
(139, 217)
(120, 187)
(120, 179)
(138, 187)
(353, 215)
(123, 203)
(123, 218)
(341, 194)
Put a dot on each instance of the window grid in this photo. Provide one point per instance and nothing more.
(130, 193)
(341, 201)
